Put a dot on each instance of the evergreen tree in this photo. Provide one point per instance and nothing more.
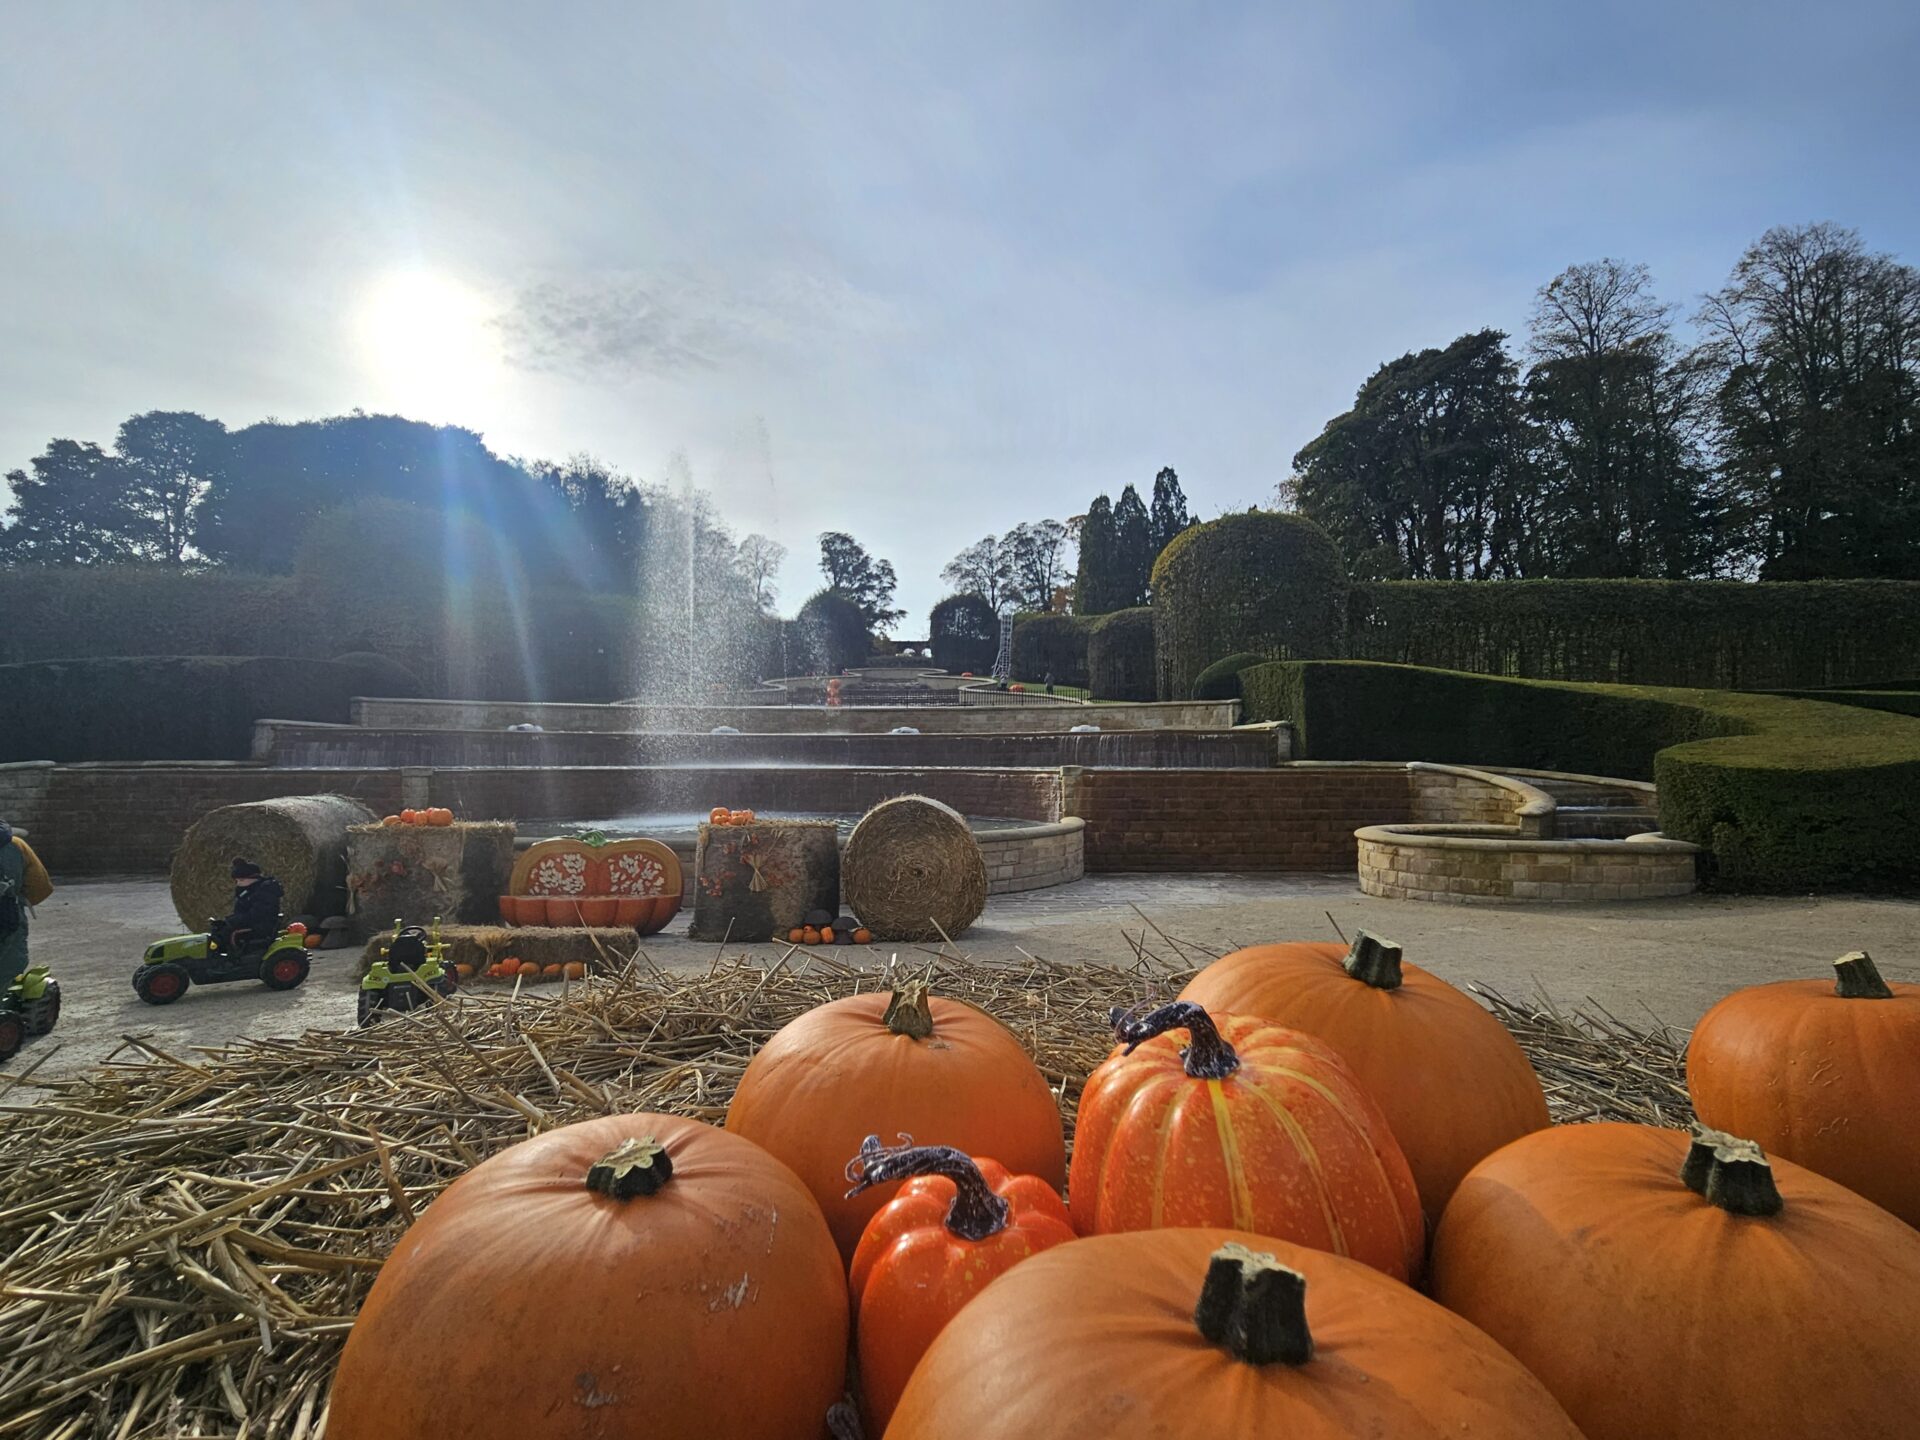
(1093, 586)
(1169, 516)
(1134, 551)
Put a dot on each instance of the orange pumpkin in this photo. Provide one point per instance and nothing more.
(313, 940)
(1214, 1333)
(438, 816)
(1452, 1081)
(1826, 1075)
(1664, 1286)
(409, 817)
(956, 1224)
(863, 936)
(740, 817)
(1249, 1125)
(809, 936)
(797, 935)
(509, 966)
(719, 815)
(464, 972)
(826, 934)
(574, 970)
(905, 1064)
(553, 972)
(390, 820)
(718, 1305)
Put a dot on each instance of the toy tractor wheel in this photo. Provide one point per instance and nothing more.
(161, 984)
(43, 1014)
(13, 1034)
(285, 970)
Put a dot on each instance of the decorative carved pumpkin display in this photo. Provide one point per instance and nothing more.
(936, 1069)
(1452, 1081)
(956, 1224)
(1214, 1333)
(1827, 1075)
(658, 1277)
(1666, 1286)
(1250, 1126)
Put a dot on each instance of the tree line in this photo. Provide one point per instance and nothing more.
(1782, 443)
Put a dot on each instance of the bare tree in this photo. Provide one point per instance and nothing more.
(758, 560)
(985, 569)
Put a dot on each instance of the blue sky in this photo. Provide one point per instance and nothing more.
(917, 272)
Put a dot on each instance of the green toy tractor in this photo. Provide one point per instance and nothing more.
(278, 961)
(28, 1007)
(410, 971)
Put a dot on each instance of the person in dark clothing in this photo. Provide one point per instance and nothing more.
(256, 908)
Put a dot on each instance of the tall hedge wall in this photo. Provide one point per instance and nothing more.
(1052, 643)
(1261, 581)
(178, 707)
(1721, 634)
(1120, 655)
(1788, 795)
(964, 634)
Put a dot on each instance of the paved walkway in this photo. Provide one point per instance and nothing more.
(1667, 959)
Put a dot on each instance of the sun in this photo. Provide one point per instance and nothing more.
(428, 340)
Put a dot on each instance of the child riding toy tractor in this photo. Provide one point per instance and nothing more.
(28, 1007)
(277, 958)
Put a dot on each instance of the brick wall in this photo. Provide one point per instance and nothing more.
(128, 819)
(1021, 718)
(1296, 817)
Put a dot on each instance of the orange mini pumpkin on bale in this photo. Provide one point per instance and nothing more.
(1249, 1125)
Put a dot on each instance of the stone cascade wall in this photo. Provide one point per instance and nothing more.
(1478, 865)
(1020, 860)
(1453, 795)
(1034, 717)
(1299, 816)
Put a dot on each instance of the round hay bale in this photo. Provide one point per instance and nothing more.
(913, 871)
(299, 839)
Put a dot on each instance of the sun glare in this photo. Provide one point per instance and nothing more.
(427, 340)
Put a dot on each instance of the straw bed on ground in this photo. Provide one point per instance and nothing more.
(185, 1239)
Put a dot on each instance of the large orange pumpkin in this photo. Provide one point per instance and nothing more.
(936, 1069)
(956, 1224)
(658, 1277)
(1214, 1333)
(1826, 1075)
(1250, 1126)
(1453, 1082)
(1662, 1286)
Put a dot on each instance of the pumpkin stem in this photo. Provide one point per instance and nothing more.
(1856, 977)
(634, 1167)
(1254, 1307)
(976, 1213)
(1374, 961)
(910, 1011)
(1208, 1056)
(1731, 1173)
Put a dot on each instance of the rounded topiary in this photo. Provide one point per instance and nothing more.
(964, 633)
(1049, 643)
(1261, 581)
(833, 633)
(380, 674)
(1221, 679)
(1120, 655)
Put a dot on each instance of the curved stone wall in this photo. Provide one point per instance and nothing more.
(1493, 864)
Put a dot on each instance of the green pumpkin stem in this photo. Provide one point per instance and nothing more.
(1374, 961)
(1732, 1173)
(976, 1212)
(910, 1011)
(1254, 1307)
(1208, 1055)
(1856, 977)
(634, 1167)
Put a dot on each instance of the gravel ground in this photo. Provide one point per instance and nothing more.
(1663, 960)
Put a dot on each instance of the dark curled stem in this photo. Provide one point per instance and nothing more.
(1208, 1056)
(976, 1213)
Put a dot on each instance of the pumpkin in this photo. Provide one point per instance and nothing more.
(719, 815)
(1826, 1075)
(659, 1277)
(863, 936)
(1214, 1333)
(740, 817)
(956, 1224)
(904, 1064)
(390, 820)
(463, 972)
(313, 940)
(1659, 1285)
(1250, 1126)
(574, 970)
(509, 966)
(552, 972)
(409, 817)
(438, 816)
(797, 935)
(1452, 1081)
(826, 935)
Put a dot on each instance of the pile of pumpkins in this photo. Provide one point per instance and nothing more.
(823, 927)
(527, 972)
(434, 816)
(1318, 1195)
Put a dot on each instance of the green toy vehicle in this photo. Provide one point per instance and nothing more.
(28, 1007)
(278, 961)
(410, 954)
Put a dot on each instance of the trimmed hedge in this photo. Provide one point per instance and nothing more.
(1261, 581)
(1221, 679)
(168, 707)
(1120, 655)
(1056, 643)
(1900, 702)
(833, 632)
(1789, 795)
(964, 634)
(1721, 633)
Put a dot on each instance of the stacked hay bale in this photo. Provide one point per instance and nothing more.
(417, 873)
(755, 881)
(913, 871)
(301, 840)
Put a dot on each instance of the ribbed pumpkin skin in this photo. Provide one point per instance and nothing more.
(1288, 1145)
(716, 1306)
(1452, 1082)
(837, 1074)
(1649, 1312)
(1096, 1341)
(1830, 1084)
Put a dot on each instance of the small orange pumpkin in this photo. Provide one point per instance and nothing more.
(826, 934)
(554, 972)
(313, 940)
(465, 972)
(863, 936)
(389, 819)
(438, 816)
(809, 936)
(719, 815)
(796, 935)
(574, 970)
(741, 817)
